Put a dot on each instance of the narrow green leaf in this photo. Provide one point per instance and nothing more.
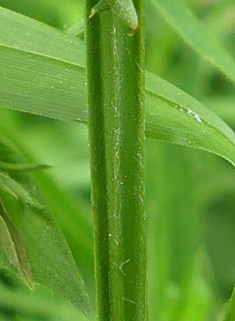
(8, 247)
(14, 247)
(31, 82)
(5, 188)
(48, 254)
(175, 117)
(58, 88)
(9, 185)
(19, 31)
(196, 35)
(9, 167)
(50, 258)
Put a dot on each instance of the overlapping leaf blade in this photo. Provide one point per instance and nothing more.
(42, 78)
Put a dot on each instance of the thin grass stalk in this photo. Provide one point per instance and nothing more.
(115, 64)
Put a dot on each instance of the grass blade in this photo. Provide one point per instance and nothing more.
(31, 82)
(8, 167)
(175, 117)
(54, 86)
(196, 35)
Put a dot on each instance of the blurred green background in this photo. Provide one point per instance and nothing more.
(189, 194)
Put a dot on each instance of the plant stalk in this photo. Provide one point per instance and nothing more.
(115, 79)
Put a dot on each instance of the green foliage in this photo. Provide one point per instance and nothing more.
(195, 35)
(178, 117)
(190, 195)
(25, 221)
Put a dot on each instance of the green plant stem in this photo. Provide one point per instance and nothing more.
(115, 77)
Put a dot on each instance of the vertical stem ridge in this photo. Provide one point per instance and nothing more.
(116, 130)
(97, 163)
